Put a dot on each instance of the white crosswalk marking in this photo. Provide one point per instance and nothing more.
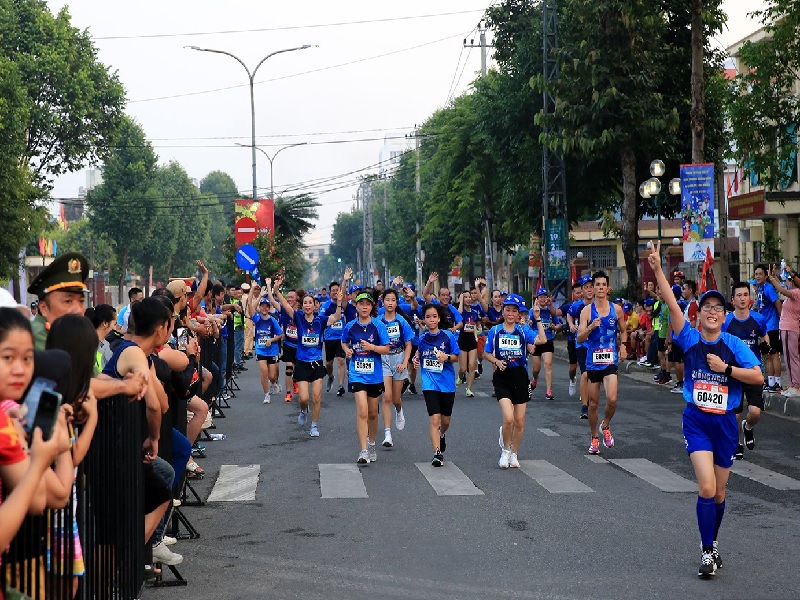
(595, 458)
(549, 432)
(448, 480)
(236, 483)
(341, 481)
(656, 475)
(551, 478)
(764, 476)
(481, 394)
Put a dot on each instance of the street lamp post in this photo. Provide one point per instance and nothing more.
(657, 198)
(251, 78)
(271, 160)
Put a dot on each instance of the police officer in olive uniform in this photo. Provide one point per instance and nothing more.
(61, 291)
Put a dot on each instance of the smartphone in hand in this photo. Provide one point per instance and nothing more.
(183, 338)
(32, 398)
(47, 413)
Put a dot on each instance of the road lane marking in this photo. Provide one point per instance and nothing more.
(448, 480)
(596, 459)
(656, 475)
(481, 394)
(551, 478)
(236, 483)
(341, 481)
(549, 432)
(764, 476)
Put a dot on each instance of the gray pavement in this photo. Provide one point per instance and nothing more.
(562, 526)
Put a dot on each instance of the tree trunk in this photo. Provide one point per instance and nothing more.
(630, 222)
(698, 111)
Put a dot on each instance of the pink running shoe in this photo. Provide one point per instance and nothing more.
(594, 447)
(608, 439)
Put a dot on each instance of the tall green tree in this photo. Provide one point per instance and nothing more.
(295, 216)
(223, 187)
(764, 108)
(75, 103)
(347, 237)
(80, 237)
(125, 207)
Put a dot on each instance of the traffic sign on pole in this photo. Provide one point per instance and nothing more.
(247, 257)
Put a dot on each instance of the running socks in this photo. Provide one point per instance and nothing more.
(706, 521)
(720, 508)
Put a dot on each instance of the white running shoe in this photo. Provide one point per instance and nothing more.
(363, 457)
(513, 461)
(399, 419)
(387, 440)
(372, 452)
(505, 457)
(168, 540)
(165, 556)
(266, 398)
(572, 387)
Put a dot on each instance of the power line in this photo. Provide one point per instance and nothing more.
(462, 72)
(286, 28)
(230, 147)
(320, 69)
(281, 135)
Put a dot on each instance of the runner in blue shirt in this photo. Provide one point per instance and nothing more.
(333, 334)
(600, 323)
(452, 318)
(572, 332)
(395, 364)
(413, 302)
(768, 303)
(716, 366)
(309, 367)
(544, 352)
(507, 346)
(751, 328)
(587, 291)
(468, 342)
(436, 353)
(289, 346)
(480, 304)
(267, 334)
(364, 341)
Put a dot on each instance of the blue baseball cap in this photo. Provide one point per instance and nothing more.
(627, 307)
(677, 290)
(542, 292)
(618, 300)
(649, 302)
(514, 300)
(524, 309)
(585, 279)
(412, 287)
(712, 294)
(264, 300)
(354, 288)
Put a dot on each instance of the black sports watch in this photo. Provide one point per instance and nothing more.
(728, 370)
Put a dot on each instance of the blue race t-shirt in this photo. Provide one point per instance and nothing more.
(547, 319)
(471, 319)
(510, 347)
(765, 305)
(453, 316)
(495, 316)
(334, 332)
(576, 310)
(750, 330)
(266, 328)
(309, 336)
(435, 375)
(399, 332)
(289, 327)
(364, 366)
(601, 345)
(709, 391)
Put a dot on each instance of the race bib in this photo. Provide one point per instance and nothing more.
(394, 330)
(603, 356)
(291, 332)
(710, 397)
(310, 340)
(337, 325)
(432, 365)
(546, 324)
(262, 339)
(509, 343)
(364, 366)
(469, 327)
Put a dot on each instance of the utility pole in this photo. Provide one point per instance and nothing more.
(386, 229)
(488, 244)
(419, 203)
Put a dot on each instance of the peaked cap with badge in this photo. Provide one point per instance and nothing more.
(66, 273)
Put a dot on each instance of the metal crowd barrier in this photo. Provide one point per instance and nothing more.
(110, 519)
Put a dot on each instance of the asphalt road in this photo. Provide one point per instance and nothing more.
(620, 537)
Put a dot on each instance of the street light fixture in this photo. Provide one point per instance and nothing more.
(651, 190)
(251, 78)
(271, 159)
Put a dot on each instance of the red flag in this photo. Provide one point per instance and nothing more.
(707, 279)
(573, 274)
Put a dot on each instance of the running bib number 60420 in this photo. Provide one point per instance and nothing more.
(710, 397)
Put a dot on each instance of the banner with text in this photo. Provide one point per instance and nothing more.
(557, 243)
(697, 210)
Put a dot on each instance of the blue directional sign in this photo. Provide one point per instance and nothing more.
(246, 257)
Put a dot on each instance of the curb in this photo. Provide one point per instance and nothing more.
(773, 403)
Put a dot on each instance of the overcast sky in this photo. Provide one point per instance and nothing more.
(363, 82)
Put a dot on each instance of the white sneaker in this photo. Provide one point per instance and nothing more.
(166, 556)
(571, 387)
(373, 454)
(363, 457)
(168, 540)
(500, 439)
(399, 419)
(274, 388)
(266, 398)
(387, 440)
(641, 361)
(513, 461)
(505, 457)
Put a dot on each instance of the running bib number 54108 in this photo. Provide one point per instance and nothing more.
(710, 397)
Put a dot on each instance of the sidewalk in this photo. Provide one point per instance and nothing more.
(773, 403)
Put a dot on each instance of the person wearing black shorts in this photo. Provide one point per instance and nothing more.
(506, 348)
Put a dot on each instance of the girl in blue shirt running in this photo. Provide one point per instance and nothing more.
(716, 364)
